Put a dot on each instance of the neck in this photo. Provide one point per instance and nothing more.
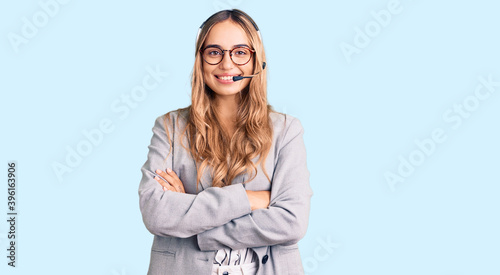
(227, 107)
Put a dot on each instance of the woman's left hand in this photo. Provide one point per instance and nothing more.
(173, 182)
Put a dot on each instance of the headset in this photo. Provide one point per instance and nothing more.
(237, 78)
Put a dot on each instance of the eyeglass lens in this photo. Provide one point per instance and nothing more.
(214, 55)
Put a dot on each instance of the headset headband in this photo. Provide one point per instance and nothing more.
(233, 10)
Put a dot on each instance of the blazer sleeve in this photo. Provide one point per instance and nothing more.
(167, 213)
(286, 219)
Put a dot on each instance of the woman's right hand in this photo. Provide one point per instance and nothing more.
(174, 183)
(259, 199)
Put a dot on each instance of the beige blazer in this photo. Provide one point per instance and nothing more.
(189, 227)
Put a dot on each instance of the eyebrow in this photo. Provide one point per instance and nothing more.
(234, 46)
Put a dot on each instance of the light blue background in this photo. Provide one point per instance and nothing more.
(359, 117)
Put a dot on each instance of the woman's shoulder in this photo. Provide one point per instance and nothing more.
(179, 115)
(284, 122)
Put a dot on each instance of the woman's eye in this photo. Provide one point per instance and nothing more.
(241, 52)
(213, 52)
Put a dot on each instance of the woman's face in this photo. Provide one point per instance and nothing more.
(227, 35)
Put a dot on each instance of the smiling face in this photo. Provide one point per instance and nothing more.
(226, 35)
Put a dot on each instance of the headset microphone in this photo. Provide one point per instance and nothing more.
(237, 78)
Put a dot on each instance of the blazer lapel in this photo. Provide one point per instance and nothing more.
(206, 178)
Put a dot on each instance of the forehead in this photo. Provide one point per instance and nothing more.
(227, 34)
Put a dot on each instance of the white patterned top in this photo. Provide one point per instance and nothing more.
(234, 257)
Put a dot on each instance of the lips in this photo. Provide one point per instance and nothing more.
(226, 77)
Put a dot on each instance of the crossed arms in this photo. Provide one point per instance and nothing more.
(229, 216)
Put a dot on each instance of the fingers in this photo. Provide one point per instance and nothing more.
(178, 183)
(168, 187)
(165, 185)
(173, 183)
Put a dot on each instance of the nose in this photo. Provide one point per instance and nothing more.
(226, 62)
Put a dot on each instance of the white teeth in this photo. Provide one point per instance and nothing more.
(226, 77)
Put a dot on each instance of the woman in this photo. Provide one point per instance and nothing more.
(225, 188)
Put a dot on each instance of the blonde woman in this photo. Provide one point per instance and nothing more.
(225, 188)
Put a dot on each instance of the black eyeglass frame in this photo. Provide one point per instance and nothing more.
(230, 54)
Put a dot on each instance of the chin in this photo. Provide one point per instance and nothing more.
(226, 93)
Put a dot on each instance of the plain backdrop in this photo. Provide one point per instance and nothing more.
(399, 101)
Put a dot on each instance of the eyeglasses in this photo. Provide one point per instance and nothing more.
(214, 55)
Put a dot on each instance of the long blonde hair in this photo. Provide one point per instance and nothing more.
(210, 144)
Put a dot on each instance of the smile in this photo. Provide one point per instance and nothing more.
(226, 78)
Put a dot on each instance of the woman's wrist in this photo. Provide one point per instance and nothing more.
(258, 199)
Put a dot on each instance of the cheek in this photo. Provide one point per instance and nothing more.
(209, 80)
(205, 71)
(207, 76)
(248, 70)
